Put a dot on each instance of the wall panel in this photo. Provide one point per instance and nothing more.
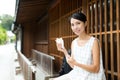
(105, 26)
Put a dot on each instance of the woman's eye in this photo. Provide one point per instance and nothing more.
(72, 24)
(78, 23)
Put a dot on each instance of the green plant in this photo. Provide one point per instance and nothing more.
(3, 35)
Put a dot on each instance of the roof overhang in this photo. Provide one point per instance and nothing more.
(31, 10)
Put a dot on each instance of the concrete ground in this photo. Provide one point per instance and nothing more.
(8, 63)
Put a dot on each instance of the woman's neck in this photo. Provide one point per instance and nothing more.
(84, 36)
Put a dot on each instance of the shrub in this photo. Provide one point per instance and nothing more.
(3, 35)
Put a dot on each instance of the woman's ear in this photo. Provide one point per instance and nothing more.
(85, 23)
(86, 26)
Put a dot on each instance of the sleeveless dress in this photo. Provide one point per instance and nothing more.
(83, 55)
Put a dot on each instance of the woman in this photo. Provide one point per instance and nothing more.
(86, 56)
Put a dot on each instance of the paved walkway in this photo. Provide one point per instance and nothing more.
(7, 62)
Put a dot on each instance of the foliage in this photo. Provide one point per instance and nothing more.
(6, 21)
(3, 35)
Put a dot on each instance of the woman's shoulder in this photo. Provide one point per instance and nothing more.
(95, 41)
(94, 38)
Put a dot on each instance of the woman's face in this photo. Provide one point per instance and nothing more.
(77, 26)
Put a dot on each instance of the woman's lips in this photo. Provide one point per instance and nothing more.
(77, 31)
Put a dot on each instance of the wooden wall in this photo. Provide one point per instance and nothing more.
(41, 35)
(28, 38)
(104, 23)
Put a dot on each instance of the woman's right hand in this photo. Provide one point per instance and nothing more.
(59, 47)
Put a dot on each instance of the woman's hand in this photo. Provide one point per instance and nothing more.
(59, 47)
(60, 44)
(71, 60)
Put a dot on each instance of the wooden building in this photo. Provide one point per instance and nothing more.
(39, 22)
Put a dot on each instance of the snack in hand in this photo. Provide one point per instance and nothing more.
(60, 41)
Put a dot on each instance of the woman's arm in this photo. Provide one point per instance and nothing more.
(67, 56)
(71, 64)
(94, 67)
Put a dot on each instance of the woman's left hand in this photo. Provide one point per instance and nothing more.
(71, 60)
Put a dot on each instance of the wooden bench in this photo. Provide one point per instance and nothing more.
(44, 64)
(27, 67)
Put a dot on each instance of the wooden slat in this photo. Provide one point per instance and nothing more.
(105, 17)
(118, 40)
(112, 59)
(88, 17)
(100, 19)
(106, 47)
(118, 36)
(100, 16)
(92, 19)
(60, 12)
(111, 39)
(106, 56)
(96, 17)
